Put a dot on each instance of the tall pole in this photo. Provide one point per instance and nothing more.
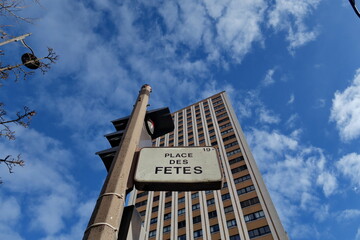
(105, 220)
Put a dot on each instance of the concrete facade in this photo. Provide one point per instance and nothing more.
(242, 209)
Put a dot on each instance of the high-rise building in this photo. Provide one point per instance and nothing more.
(242, 209)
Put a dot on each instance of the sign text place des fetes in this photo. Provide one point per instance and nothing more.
(175, 169)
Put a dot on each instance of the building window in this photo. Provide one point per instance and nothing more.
(142, 213)
(182, 237)
(210, 201)
(155, 209)
(231, 223)
(201, 141)
(228, 138)
(196, 219)
(235, 160)
(254, 216)
(198, 233)
(142, 203)
(218, 102)
(181, 224)
(225, 125)
(235, 237)
(242, 179)
(152, 233)
(219, 111)
(223, 120)
(212, 137)
(208, 191)
(167, 216)
(194, 195)
(225, 185)
(212, 214)
(168, 194)
(141, 194)
(191, 139)
(259, 231)
(239, 169)
(245, 190)
(233, 152)
(249, 202)
(156, 198)
(196, 206)
(181, 200)
(219, 106)
(181, 143)
(214, 228)
(167, 204)
(181, 211)
(153, 220)
(231, 145)
(228, 209)
(225, 196)
(166, 229)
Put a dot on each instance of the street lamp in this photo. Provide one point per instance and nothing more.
(29, 59)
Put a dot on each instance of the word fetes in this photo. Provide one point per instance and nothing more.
(178, 169)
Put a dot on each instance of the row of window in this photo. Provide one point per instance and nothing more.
(235, 160)
(231, 144)
(239, 169)
(233, 152)
(259, 232)
(141, 194)
(245, 190)
(254, 216)
(227, 131)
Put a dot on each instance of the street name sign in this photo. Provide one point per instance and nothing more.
(178, 169)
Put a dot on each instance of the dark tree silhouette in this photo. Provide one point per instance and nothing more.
(28, 63)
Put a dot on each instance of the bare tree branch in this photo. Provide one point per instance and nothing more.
(11, 162)
(18, 70)
(22, 119)
(10, 9)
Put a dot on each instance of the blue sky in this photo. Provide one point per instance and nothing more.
(290, 68)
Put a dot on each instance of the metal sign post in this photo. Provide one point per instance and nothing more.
(107, 214)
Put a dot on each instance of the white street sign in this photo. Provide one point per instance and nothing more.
(178, 169)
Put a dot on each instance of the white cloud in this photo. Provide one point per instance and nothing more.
(283, 160)
(289, 16)
(349, 165)
(267, 116)
(211, 88)
(348, 214)
(292, 99)
(268, 80)
(290, 123)
(357, 237)
(320, 103)
(328, 181)
(345, 111)
(44, 187)
(10, 210)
